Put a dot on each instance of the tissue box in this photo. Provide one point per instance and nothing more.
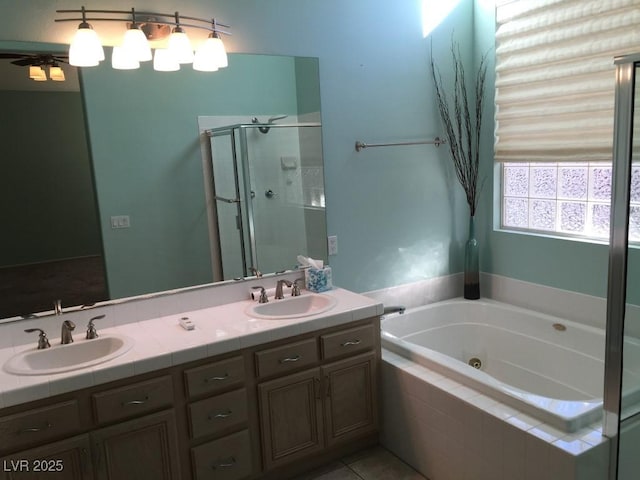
(318, 279)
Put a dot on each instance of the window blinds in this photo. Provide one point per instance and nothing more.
(555, 77)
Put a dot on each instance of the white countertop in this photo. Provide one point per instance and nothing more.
(161, 342)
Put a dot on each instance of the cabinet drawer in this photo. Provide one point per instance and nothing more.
(39, 425)
(131, 400)
(286, 358)
(228, 458)
(215, 377)
(348, 341)
(216, 414)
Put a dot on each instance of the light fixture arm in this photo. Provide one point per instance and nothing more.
(159, 18)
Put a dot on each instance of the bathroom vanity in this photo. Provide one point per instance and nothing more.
(238, 397)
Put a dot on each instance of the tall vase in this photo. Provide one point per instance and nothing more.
(471, 264)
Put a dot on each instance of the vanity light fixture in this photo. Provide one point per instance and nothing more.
(165, 61)
(179, 44)
(211, 55)
(86, 50)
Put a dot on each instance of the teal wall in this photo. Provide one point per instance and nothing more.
(45, 186)
(146, 151)
(398, 212)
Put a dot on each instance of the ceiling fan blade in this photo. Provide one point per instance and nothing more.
(26, 61)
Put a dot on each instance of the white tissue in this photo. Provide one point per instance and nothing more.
(310, 262)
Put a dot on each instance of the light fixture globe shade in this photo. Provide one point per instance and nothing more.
(165, 61)
(210, 56)
(123, 59)
(137, 44)
(180, 45)
(85, 49)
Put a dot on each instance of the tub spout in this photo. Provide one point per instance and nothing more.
(393, 309)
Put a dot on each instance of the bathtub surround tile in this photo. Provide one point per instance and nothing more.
(579, 307)
(546, 433)
(440, 432)
(420, 293)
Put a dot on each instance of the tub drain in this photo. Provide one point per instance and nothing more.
(475, 363)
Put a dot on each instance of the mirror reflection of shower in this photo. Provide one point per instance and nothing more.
(265, 129)
(267, 195)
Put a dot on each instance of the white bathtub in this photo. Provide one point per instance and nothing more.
(545, 366)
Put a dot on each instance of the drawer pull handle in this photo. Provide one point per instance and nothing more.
(295, 358)
(226, 414)
(136, 402)
(225, 463)
(349, 343)
(35, 429)
(216, 379)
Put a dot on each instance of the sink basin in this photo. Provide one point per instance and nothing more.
(292, 307)
(64, 358)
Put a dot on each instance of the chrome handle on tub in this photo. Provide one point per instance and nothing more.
(35, 429)
(295, 358)
(348, 343)
(226, 414)
(217, 378)
(136, 402)
(225, 463)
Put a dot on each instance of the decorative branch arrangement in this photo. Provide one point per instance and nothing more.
(462, 124)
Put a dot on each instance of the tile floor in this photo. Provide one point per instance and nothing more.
(375, 463)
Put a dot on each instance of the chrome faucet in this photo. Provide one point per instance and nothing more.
(91, 328)
(263, 294)
(67, 327)
(43, 341)
(279, 295)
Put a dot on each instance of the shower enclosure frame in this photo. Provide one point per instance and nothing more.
(618, 252)
(238, 137)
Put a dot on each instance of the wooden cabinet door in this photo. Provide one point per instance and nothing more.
(350, 398)
(64, 460)
(142, 448)
(291, 417)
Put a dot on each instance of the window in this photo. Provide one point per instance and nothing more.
(555, 88)
(568, 198)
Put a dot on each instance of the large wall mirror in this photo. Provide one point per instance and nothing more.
(109, 171)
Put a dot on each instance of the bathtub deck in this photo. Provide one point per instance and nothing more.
(448, 431)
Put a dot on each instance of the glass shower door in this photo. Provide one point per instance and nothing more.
(622, 359)
(274, 171)
(629, 442)
(228, 202)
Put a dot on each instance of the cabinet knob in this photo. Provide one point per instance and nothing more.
(348, 343)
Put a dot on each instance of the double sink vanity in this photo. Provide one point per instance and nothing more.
(252, 391)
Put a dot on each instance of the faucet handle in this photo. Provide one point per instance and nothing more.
(295, 289)
(91, 328)
(43, 341)
(263, 294)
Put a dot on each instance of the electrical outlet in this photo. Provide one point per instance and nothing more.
(120, 221)
(332, 244)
